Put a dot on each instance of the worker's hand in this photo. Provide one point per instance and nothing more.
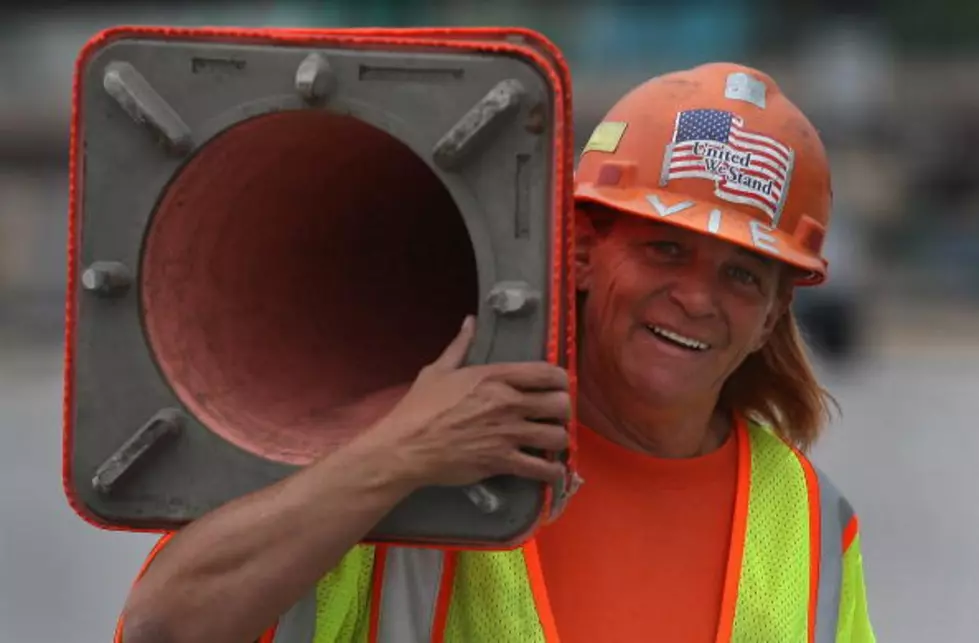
(459, 424)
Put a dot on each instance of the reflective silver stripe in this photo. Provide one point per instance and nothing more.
(298, 625)
(409, 595)
(408, 598)
(835, 514)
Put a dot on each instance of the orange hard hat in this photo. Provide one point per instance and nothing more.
(718, 149)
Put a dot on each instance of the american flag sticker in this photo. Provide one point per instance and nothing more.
(746, 167)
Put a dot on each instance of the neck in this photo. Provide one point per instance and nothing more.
(678, 431)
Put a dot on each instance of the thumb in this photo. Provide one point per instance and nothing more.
(455, 353)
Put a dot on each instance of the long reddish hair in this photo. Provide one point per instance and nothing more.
(777, 386)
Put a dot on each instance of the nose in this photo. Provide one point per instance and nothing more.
(694, 291)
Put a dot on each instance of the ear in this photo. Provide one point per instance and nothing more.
(586, 238)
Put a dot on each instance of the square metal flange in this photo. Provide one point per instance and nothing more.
(490, 122)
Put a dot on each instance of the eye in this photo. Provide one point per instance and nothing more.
(744, 276)
(665, 249)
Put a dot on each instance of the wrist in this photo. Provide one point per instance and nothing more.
(382, 466)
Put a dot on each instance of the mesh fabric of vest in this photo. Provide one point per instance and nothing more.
(492, 600)
(343, 599)
(773, 591)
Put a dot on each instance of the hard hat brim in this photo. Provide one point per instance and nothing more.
(726, 223)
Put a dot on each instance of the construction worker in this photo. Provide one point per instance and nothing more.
(702, 201)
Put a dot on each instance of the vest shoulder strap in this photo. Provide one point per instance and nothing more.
(772, 525)
(795, 508)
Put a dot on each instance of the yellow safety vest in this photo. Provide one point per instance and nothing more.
(795, 575)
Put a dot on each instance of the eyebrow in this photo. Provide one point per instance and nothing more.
(741, 250)
(755, 256)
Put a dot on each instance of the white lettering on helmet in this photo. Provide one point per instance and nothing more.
(714, 223)
(665, 211)
(760, 233)
(760, 237)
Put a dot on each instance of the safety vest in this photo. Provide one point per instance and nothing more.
(794, 538)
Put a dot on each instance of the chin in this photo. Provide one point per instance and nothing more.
(661, 384)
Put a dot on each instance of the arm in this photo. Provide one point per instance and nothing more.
(228, 576)
(231, 574)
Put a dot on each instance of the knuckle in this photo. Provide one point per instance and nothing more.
(494, 370)
(481, 376)
(501, 394)
(514, 468)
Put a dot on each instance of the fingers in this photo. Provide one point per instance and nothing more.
(552, 406)
(528, 376)
(525, 465)
(454, 355)
(540, 435)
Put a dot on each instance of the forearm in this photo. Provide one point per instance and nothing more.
(229, 575)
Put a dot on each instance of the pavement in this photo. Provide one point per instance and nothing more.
(60, 579)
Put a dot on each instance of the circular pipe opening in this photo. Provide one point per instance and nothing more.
(295, 276)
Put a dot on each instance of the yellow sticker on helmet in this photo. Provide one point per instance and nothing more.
(606, 137)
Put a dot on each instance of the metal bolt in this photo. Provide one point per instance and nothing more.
(146, 107)
(165, 424)
(314, 78)
(106, 278)
(485, 499)
(513, 298)
(479, 125)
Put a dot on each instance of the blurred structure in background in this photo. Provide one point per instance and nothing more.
(894, 88)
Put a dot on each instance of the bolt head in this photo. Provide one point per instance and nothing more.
(510, 298)
(106, 277)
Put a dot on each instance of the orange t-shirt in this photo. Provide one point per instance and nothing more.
(640, 553)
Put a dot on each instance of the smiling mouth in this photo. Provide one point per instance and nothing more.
(677, 339)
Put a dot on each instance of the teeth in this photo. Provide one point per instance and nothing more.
(679, 339)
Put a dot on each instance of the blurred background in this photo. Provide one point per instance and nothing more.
(894, 88)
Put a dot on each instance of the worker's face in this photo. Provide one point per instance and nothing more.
(671, 313)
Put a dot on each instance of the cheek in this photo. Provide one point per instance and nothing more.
(603, 301)
(615, 290)
(748, 323)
